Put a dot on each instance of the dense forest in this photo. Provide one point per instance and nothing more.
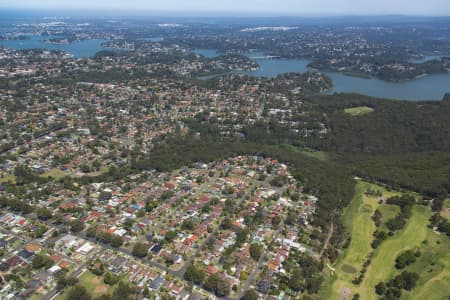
(399, 143)
(392, 127)
(427, 173)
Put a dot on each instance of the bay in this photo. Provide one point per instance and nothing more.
(84, 48)
(432, 87)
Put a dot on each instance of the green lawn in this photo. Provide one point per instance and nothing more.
(436, 288)
(320, 155)
(35, 297)
(94, 284)
(357, 219)
(433, 267)
(388, 212)
(358, 111)
(103, 170)
(382, 267)
(56, 174)
(362, 227)
(7, 178)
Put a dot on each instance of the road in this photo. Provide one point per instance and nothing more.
(202, 246)
(200, 189)
(251, 278)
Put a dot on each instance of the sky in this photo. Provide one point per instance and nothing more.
(254, 7)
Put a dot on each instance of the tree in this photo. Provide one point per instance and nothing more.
(43, 213)
(380, 288)
(76, 226)
(276, 221)
(78, 292)
(110, 278)
(167, 195)
(103, 297)
(278, 181)
(291, 218)
(128, 223)
(140, 250)
(295, 282)
(256, 250)
(242, 236)
(405, 258)
(405, 280)
(377, 216)
(103, 236)
(59, 218)
(91, 231)
(104, 196)
(188, 224)
(194, 274)
(150, 206)
(123, 291)
(63, 281)
(96, 165)
(116, 241)
(98, 268)
(85, 168)
(295, 196)
(39, 261)
(313, 284)
(226, 224)
(409, 280)
(229, 206)
(250, 295)
(217, 284)
(170, 236)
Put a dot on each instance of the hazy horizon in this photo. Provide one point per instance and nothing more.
(243, 8)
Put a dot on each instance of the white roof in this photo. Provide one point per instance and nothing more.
(54, 269)
(86, 248)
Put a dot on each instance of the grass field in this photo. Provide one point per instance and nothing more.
(93, 284)
(103, 169)
(388, 212)
(358, 111)
(320, 155)
(56, 174)
(433, 265)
